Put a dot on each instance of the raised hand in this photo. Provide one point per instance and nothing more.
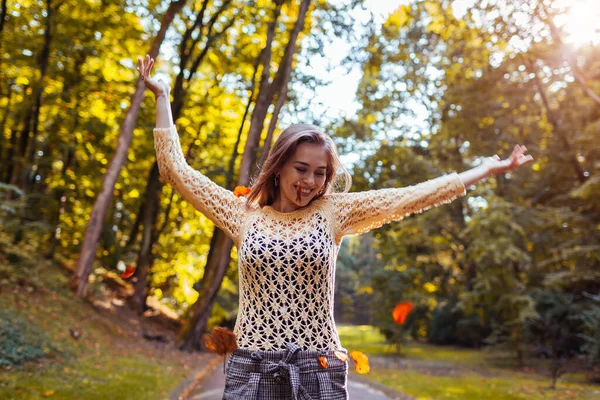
(158, 87)
(517, 159)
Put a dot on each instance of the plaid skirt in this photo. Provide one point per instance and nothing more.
(293, 374)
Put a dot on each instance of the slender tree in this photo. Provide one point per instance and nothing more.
(202, 29)
(79, 280)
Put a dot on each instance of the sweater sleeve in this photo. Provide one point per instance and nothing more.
(218, 204)
(359, 212)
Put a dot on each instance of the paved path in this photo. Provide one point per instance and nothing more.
(212, 389)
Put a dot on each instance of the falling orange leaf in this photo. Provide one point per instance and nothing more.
(49, 393)
(341, 355)
(241, 191)
(361, 362)
(323, 361)
(401, 312)
(129, 271)
(221, 341)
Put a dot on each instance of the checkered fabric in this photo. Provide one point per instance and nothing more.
(291, 374)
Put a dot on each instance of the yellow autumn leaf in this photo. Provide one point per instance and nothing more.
(22, 81)
(429, 287)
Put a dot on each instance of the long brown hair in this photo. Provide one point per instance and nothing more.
(337, 177)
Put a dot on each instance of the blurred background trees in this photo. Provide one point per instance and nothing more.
(442, 84)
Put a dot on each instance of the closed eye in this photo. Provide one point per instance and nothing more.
(302, 170)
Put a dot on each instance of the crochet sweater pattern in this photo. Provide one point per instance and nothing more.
(287, 260)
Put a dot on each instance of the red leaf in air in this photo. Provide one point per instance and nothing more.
(129, 270)
(401, 312)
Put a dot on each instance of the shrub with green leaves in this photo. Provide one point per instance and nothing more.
(591, 334)
(21, 341)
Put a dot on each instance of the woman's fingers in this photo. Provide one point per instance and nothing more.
(150, 66)
(141, 67)
(148, 63)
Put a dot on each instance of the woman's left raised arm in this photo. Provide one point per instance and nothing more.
(359, 212)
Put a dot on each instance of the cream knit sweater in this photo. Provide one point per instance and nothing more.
(287, 260)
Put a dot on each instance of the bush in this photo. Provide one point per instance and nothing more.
(21, 341)
(449, 326)
(442, 328)
(591, 336)
(556, 333)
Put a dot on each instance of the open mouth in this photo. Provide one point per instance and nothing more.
(302, 191)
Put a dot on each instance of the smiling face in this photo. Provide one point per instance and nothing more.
(302, 177)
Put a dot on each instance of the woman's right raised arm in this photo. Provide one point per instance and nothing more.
(218, 204)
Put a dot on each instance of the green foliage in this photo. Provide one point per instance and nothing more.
(556, 332)
(591, 333)
(450, 326)
(353, 293)
(531, 230)
(21, 341)
(16, 210)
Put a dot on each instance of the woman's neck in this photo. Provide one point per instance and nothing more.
(284, 206)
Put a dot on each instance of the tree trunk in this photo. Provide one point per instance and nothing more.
(30, 125)
(262, 102)
(208, 287)
(10, 155)
(282, 78)
(30, 122)
(62, 200)
(281, 99)
(153, 190)
(135, 228)
(3, 123)
(2, 21)
(79, 280)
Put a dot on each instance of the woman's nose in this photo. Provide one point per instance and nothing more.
(309, 181)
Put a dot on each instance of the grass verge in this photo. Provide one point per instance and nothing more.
(458, 377)
(109, 360)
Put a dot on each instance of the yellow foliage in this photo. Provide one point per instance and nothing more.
(22, 81)
(485, 122)
(365, 289)
(429, 287)
(57, 165)
(433, 8)
(400, 17)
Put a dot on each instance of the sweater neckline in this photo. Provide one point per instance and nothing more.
(292, 214)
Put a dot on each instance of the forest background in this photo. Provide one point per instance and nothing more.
(439, 84)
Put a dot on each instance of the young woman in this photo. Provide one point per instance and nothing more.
(288, 231)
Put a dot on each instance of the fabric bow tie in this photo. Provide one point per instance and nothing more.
(287, 368)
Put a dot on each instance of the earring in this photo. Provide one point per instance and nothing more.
(276, 179)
